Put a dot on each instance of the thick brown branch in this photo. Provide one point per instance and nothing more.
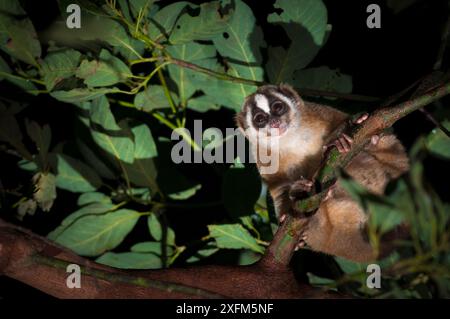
(42, 264)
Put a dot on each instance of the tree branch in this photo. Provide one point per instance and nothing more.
(234, 79)
(40, 263)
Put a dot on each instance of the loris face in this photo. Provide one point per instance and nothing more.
(272, 111)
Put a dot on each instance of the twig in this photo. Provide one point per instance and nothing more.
(435, 122)
(234, 79)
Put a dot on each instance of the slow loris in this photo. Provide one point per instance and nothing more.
(277, 121)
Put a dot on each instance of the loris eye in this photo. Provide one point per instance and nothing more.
(260, 119)
(278, 108)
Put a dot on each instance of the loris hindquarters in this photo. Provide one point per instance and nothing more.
(278, 122)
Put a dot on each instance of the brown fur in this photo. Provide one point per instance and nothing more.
(337, 227)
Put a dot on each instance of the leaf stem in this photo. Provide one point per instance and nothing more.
(182, 132)
(166, 89)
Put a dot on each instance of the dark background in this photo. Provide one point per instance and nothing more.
(382, 62)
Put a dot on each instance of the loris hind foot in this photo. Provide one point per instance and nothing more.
(299, 188)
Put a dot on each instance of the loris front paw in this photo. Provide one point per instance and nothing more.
(302, 242)
(344, 142)
(299, 188)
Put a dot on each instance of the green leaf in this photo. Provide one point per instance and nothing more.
(44, 190)
(130, 260)
(41, 136)
(59, 65)
(154, 227)
(142, 193)
(151, 247)
(143, 171)
(424, 224)
(182, 195)
(438, 143)
(323, 78)
(137, 5)
(164, 20)
(6, 73)
(157, 231)
(203, 253)
(75, 176)
(248, 257)
(27, 165)
(109, 136)
(351, 267)
(305, 23)
(319, 281)
(210, 21)
(18, 38)
(101, 115)
(24, 84)
(78, 95)
(234, 236)
(384, 217)
(144, 144)
(357, 191)
(203, 104)
(105, 71)
(92, 159)
(93, 197)
(94, 234)
(240, 43)
(183, 77)
(152, 98)
(90, 209)
(96, 28)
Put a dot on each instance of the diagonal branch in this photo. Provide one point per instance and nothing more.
(40, 263)
(235, 79)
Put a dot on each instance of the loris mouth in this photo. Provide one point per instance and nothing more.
(277, 131)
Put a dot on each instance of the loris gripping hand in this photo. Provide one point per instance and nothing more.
(277, 116)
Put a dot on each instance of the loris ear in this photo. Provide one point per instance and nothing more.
(289, 92)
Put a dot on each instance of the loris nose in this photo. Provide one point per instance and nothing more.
(274, 123)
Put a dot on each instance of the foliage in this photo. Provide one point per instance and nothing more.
(159, 60)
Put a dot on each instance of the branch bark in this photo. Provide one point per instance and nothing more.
(40, 263)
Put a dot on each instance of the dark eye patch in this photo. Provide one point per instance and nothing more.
(259, 118)
(278, 108)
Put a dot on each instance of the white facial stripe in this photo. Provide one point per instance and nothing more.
(285, 99)
(262, 102)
